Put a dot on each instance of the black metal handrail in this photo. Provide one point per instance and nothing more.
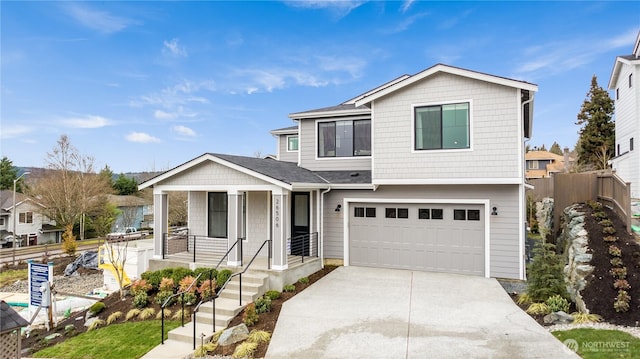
(167, 301)
(215, 295)
(304, 245)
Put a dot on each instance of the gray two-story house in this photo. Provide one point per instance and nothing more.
(425, 172)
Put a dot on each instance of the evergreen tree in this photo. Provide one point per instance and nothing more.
(597, 134)
(545, 277)
(8, 173)
(107, 174)
(125, 186)
(542, 148)
(555, 148)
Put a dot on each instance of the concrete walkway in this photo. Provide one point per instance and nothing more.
(357, 312)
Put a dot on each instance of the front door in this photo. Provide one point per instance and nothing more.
(300, 223)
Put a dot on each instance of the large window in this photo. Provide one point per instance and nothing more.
(442, 127)
(344, 138)
(217, 205)
(292, 143)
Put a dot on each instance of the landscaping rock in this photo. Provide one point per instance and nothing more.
(52, 336)
(68, 328)
(233, 335)
(90, 321)
(575, 240)
(558, 318)
(544, 216)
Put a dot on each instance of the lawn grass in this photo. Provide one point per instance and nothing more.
(9, 276)
(116, 341)
(601, 343)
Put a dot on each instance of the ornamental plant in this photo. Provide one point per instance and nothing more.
(616, 262)
(606, 223)
(139, 286)
(599, 215)
(556, 304)
(621, 284)
(621, 303)
(618, 273)
(608, 230)
(189, 290)
(610, 239)
(545, 274)
(615, 251)
(250, 317)
(207, 288)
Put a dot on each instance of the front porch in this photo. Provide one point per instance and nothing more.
(191, 251)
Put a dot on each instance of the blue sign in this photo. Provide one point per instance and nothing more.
(38, 274)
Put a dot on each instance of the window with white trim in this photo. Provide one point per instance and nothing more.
(533, 165)
(217, 206)
(347, 138)
(25, 217)
(292, 143)
(442, 127)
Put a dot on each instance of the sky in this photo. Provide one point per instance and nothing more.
(146, 86)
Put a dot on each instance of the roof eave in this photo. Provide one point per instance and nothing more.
(325, 114)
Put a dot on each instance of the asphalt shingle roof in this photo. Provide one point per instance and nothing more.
(10, 319)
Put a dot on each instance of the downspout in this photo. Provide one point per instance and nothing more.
(524, 171)
(321, 244)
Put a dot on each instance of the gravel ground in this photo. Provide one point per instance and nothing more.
(75, 284)
(635, 331)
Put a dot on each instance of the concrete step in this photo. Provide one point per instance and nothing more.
(251, 286)
(171, 349)
(222, 321)
(251, 277)
(224, 306)
(185, 334)
(232, 294)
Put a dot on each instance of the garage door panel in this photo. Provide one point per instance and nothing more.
(443, 245)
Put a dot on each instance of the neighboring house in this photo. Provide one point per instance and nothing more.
(425, 172)
(544, 164)
(32, 227)
(133, 211)
(625, 82)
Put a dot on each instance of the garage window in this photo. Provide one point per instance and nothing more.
(473, 215)
(390, 213)
(370, 212)
(459, 215)
(403, 212)
(437, 213)
(424, 213)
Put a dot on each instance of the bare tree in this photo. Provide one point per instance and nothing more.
(603, 156)
(68, 190)
(116, 252)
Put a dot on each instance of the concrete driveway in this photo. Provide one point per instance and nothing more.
(357, 312)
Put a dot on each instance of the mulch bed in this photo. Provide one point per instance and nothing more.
(267, 321)
(600, 294)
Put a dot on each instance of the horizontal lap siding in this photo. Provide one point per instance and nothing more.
(504, 235)
(211, 173)
(494, 138)
(308, 159)
(283, 154)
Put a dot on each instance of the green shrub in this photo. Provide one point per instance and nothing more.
(263, 305)
(619, 273)
(524, 299)
(621, 303)
(162, 296)
(272, 294)
(139, 286)
(303, 280)
(207, 273)
(113, 317)
(595, 206)
(153, 278)
(538, 309)
(556, 303)
(97, 307)
(140, 300)
(250, 317)
(616, 262)
(244, 350)
(615, 251)
(621, 284)
(599, 215)
(545, 274)
(259, 336)
(579, 317)
(179, 273)
(609, 230)
(606, 223)
(188, 298)
(289, 288)
(222, 277)
(610, 239)
(96, 324)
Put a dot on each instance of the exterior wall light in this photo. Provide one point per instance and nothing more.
(338, 207)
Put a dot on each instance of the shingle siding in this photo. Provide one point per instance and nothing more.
(211, 173)
(283, 154)
(257, 223)
(495, 136)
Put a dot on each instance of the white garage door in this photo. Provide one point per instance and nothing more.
(430, 237)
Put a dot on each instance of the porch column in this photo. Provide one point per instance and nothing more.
(160, 222)
(280, 215)
(235, 227)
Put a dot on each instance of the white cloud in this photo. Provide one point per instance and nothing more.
(142, 137)
(406, 5)
(13, 131)
(88, 121)
(175, 96)
(162, 115)
(184, 131)
(405, 23)
(339, 8)
(560, 56)
(101, 21)
(173, 48)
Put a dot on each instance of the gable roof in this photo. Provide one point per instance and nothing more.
(285, 130)
(6, 199)
(543, 155)
(343, 109)
(633, 59)
(280, 173)
(10, 319)
(365, 100)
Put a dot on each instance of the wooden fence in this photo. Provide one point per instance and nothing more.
(543, 187)
(605, 187)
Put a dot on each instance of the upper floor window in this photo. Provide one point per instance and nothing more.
(532, 165)
(25, 217)
(630, 80)
(617, 94)
(631, 144)
(1, 221)
(442, 127)
(292, 143)
(344, 138)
